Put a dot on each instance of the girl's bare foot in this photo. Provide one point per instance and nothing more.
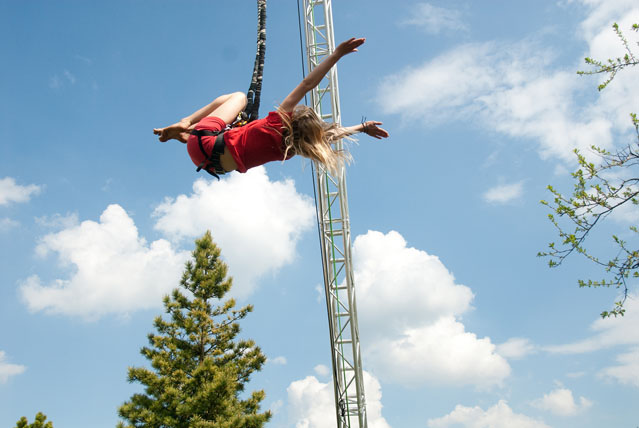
(178, 131)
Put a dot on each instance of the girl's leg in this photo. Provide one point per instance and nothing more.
(221, 107)
(226, 107)
(230, 107)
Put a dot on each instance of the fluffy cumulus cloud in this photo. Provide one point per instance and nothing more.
(256, 222)
(7, 369)
(408, 309)
(400, 286)
(561, 402)
(112, 269)
(441, 352)
(514, 89)
(504, 193)
(434, 20)
(311, 403)
(498, 416)
(11, 192)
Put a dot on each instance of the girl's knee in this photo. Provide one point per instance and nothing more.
(240, 97)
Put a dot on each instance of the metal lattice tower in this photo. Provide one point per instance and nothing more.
(334, 225)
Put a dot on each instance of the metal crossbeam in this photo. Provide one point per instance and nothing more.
(332, 210)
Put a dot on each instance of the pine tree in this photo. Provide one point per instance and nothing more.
(40, 422)
(199, 367)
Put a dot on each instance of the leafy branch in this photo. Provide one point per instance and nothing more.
(596, 195)
(612, 65)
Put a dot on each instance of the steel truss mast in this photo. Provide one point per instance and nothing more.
(332, 212)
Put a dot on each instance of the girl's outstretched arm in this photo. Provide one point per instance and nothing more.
(315, 77)
(370, 128)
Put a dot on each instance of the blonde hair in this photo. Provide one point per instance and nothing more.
(305, 134)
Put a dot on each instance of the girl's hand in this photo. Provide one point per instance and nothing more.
(349, 46)
(373, 130)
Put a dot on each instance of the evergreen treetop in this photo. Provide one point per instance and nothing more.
(199, 367)
(39, 422)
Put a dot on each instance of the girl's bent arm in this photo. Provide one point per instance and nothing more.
(317, 74)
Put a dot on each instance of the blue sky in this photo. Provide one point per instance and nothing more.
(461, 324)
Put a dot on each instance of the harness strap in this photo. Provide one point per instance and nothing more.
(211, 162)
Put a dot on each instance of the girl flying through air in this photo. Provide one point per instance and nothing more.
(291, 130)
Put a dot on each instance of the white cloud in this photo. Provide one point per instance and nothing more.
(7, 370)
(512, 88)
(10, 191)
(257, 222)
(505, 87)
(56, 81)
(400, 287)
(614, 102)
(321, 370)
(498, 416)
(627, 371)
(609, 332)
(276, 406)
(113, 270)
(408, 303)
(455, 84)
(612, 332)
(85, 60)
(435, 90)
(69, 76)
(280, 361)
(442, 353)
(107, 185)
(311, 403)
(504, 193)
(7, 224)
(516, 348)
(561, 402)
(435, 19)
(58, 221)
(602, 13)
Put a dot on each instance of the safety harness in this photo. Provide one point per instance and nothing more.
(211, 162)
